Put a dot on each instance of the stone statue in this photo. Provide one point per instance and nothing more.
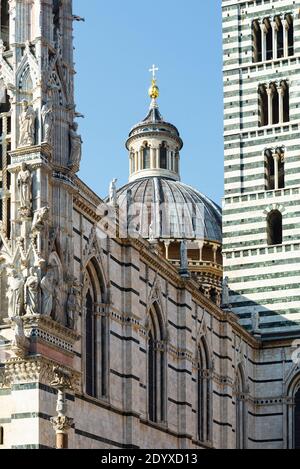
(256, 322)
(24, 182)
(151, 232)
(48, 290)
(27, 125)
(39, 219)
(73, 306)
(32, 293)
(20, 342)
(58, 307)
(76, 143)
(184, 264)
(15, 294)
(47, 121)
(225, 292)
(113, 192)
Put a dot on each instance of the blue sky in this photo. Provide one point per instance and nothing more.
(115, 47)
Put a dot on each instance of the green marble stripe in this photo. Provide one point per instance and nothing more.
(265, 301)
(248, 221)
(247, 291)
(267, 140)
(253, 244)
(254, 208)
(259, 265)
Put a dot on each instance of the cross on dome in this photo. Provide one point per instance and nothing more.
(153, 70)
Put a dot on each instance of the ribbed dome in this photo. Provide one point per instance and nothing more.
(166, 209)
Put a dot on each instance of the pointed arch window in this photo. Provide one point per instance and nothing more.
(240, 410)
(163, 154)
(274, 228)
(204, 394)
(156, 367)
(96, 332)
(297, 420)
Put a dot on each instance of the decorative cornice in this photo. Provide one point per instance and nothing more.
(35, 369)
(49, 326)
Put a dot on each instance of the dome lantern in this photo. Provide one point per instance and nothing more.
(154, 145)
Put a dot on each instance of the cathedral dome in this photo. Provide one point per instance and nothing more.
(166, 209)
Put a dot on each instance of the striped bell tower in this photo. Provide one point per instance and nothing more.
(261, 218)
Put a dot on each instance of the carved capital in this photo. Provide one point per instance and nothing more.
(61, 423)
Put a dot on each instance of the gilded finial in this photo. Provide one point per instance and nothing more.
(154, 90)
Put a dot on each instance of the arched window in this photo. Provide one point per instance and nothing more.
(286, 102)
(204, 393)
(297, 420)
(275, 104)
(269, 39)
(270, 170)
(163, 156)
(146, 157)
(293, 414)
(290, 20)
(96, 331)
(241, 411)
(257, 49)
(280, 46)
(274, 228)
(5, 22)
(156, 367)
(263, 106)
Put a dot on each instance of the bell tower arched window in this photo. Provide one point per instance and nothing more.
(274, 228)
(204, 402)
(5, 22)
(163, 153)
(156, 368)
(96, 334)
(257, 44)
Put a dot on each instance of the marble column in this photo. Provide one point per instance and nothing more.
(281, 98)
(276, 171)
(275, 42)
(286, 27)
(152, 158)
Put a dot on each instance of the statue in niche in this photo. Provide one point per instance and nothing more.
(73, 306)
(32, 293)
(24, 182)
(225, 292)
(76, 145)
(113, 192)
(27, 125)
(41, 216)
(15, 294)
(47, 121)
(48, 290)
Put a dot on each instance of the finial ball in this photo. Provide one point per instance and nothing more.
(154, 90)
